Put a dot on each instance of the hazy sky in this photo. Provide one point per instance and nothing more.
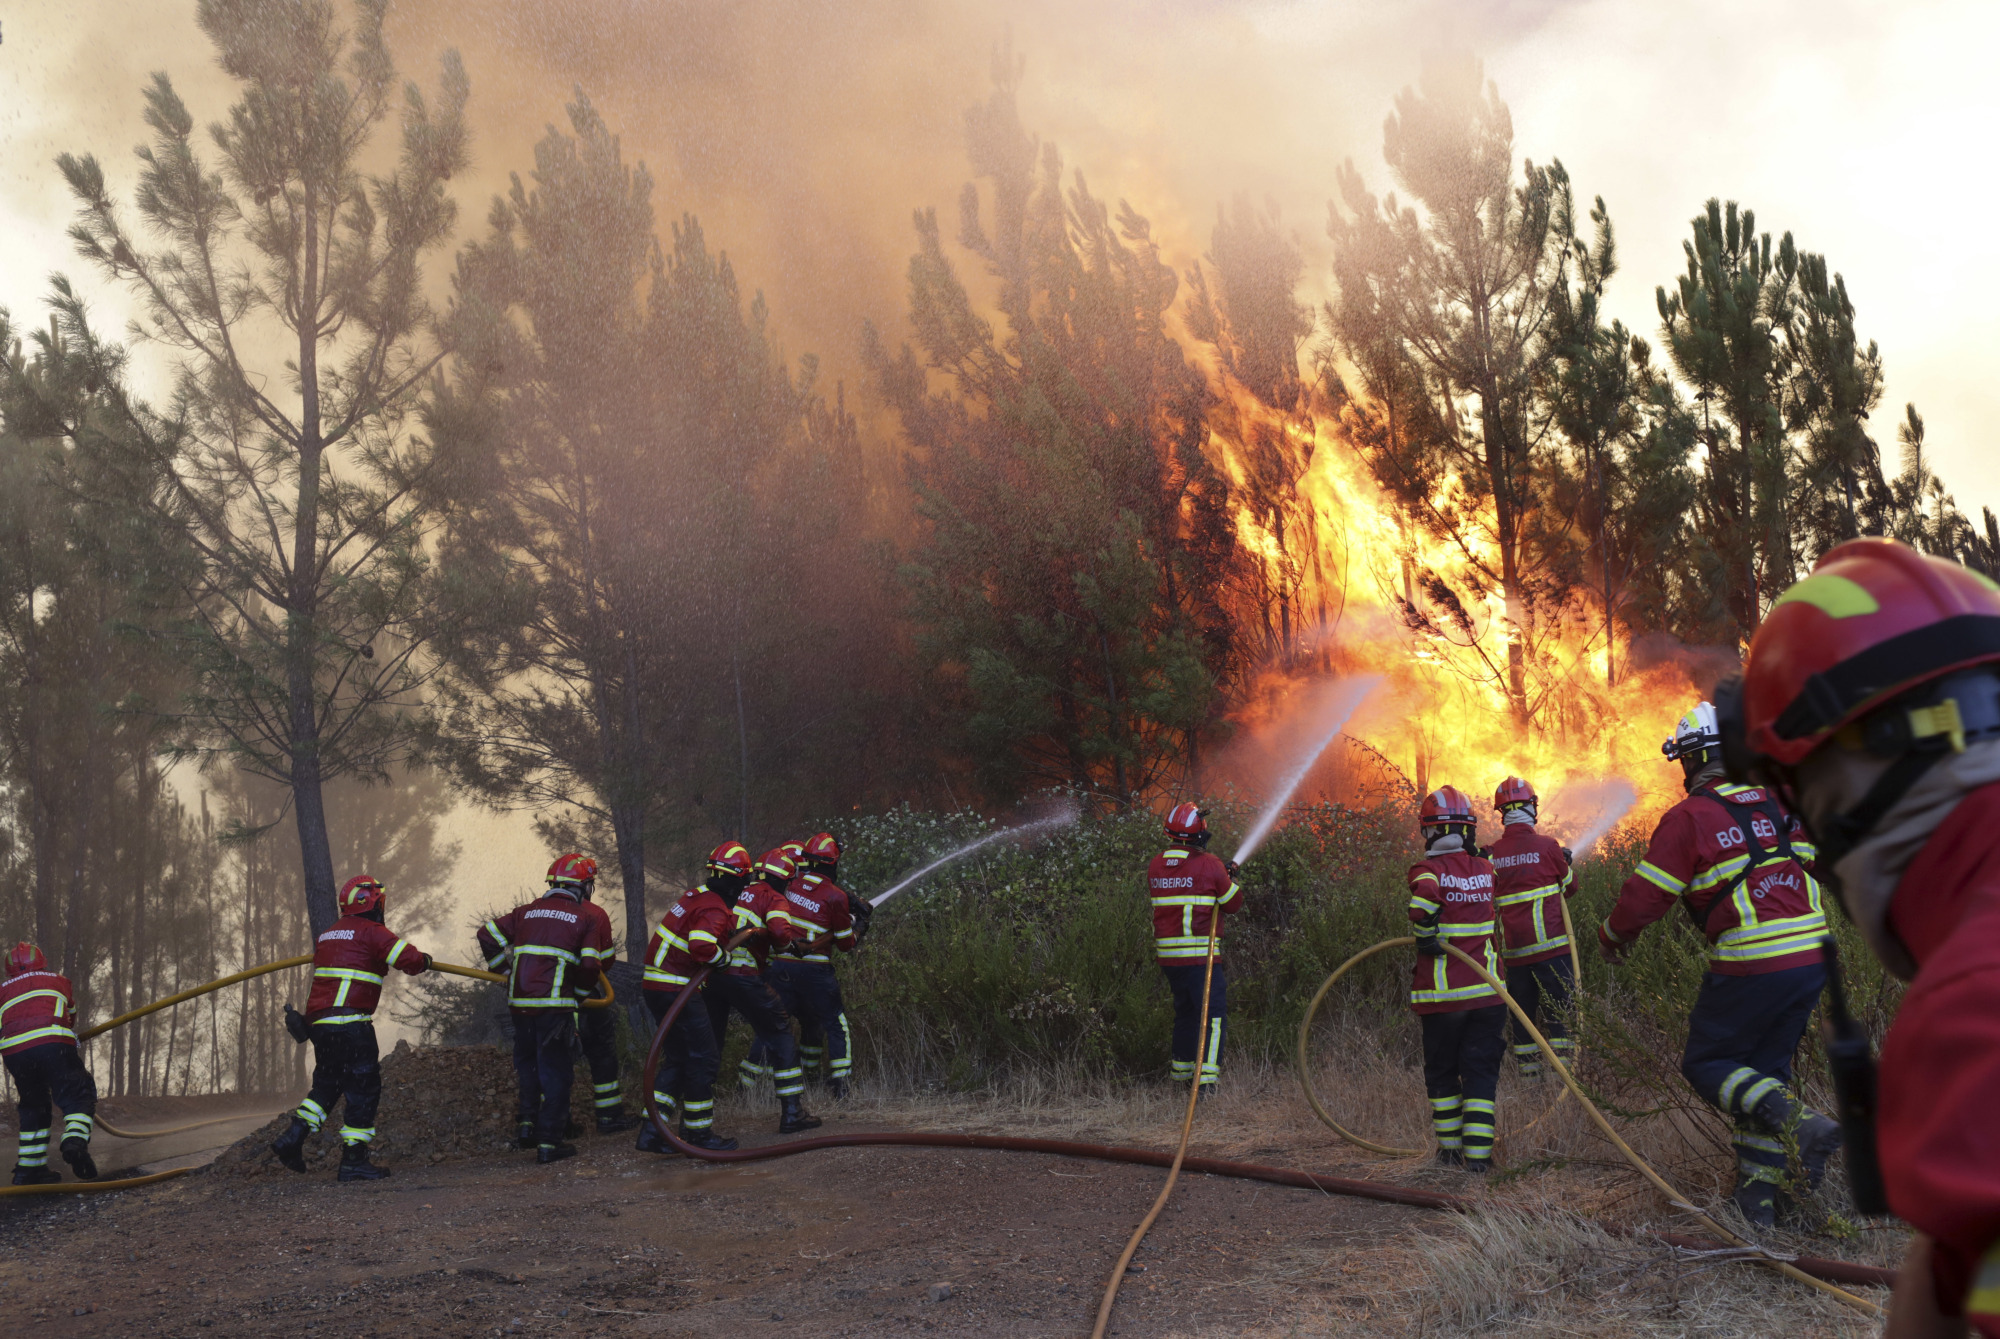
(804, 134)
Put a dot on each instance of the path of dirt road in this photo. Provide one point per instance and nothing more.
(621, 1243)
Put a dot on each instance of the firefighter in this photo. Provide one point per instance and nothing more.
(548, 947)
(1451, 900)
(350, 958)
(1872, 696)
(1191, 890)
(38, 1043)
(763, 910)
(1531, 880)
(1737, 859)
(692, 935)
(596, 1028)
(802, 973)
(756, 1064)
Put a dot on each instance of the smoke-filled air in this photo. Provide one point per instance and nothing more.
(763, 553)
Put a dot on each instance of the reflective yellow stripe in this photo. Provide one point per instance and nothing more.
(1186, 900)
(349, 973)
(542, 951)
(55, 1031)
(1720, 874)
(396, 950)
(1984, 1298)
(1515, 899)
(1653, 874)
(669, 978)
(1461, 929)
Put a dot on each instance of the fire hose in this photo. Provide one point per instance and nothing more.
(602, 1001)
(1808, 1268)
(1555, 1062)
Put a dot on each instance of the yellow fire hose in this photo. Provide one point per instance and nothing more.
(1180, 1152)
(1555, 1062)
(602, 1001)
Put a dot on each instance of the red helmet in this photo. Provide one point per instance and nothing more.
(25, 957)
(778, 863)
(572, 870)
(1446, 804)
(823, 849)
(796, 850)
(1874, 620)
(1512, 792)
(730, 858)
(359, 895)
(1187, 821)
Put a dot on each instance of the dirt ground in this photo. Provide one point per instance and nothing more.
(470, 1239)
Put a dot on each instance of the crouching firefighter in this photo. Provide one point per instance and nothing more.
(597, 1028)
(1451, 902)
(1871, 695)
(549, 946)
(1191, 891)
(829, 918)
(1739, 862)
(1531, 879)
(763, 913)
(38, 1043)
(350, 959)
(688, 938)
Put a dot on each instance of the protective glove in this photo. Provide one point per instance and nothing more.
(1569, 856)
(296, 1025)
(427, 962)
(1610, 949)
(1430, 946)
(1232, 867)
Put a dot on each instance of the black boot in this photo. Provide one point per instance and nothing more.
(36, 1176)
(572, 1129)
(76, 1152)
(1757, 1201)
(709, 1140)
(548, 1153)
(616, 1122)
(1207, 1091)
(1817, 1136)
(1451, 1157)
(354, 1164)
(793, 1117)
(290, 1146)
(650, 1141)
(836, 1089)
(524, 1133)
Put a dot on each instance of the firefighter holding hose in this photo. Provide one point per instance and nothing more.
(763, 912)
(1451, 901)
(689, 937)
(1871, 697)
(802, 973)
(1740, 864)
(38, 1044)
(1531, 880)
(597, 1028)
(350, 959)
(549, 946)
(1191, 890)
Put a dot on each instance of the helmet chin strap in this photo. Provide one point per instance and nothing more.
(1848, 830)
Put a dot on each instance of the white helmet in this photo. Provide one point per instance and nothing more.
(1695, 733)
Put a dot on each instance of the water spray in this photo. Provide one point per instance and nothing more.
(1337, 706)
(1615, 797)
(1062, 818)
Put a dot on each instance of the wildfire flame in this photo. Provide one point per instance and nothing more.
(1359, 588)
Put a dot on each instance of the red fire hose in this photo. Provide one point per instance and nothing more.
(1835, 1271)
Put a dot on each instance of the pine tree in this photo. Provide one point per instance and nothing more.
(300, 482)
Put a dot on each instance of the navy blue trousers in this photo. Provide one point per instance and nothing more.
(810, 993)
(1184, 981)
(1543, 991)
(1743, 1032)
(543, 1069)
(760, 1006)
(689, 1060)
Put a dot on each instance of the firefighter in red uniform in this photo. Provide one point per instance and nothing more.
(692, 935)
(763, 909)
(756, 1064)
(1191, 891)
(1740, 863)
(350, 959)
(552, 958)
(802, 973)
(1451, 900)
(38, 1043)
(596, 1028)
(1531, 879)
(1872, 694)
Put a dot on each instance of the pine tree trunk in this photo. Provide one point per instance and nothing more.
(628, 828)
(308, 803)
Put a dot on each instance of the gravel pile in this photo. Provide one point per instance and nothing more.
(439, 1104)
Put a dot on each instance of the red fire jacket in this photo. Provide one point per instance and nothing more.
(1457, 890)
(349, 961)
(36, 1008)
(1773, 918)
(551, 943)
(1531, 877)
(1189, 889)
(820, 908)
(1940, 1078)
(688, 938)
(763, 908)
